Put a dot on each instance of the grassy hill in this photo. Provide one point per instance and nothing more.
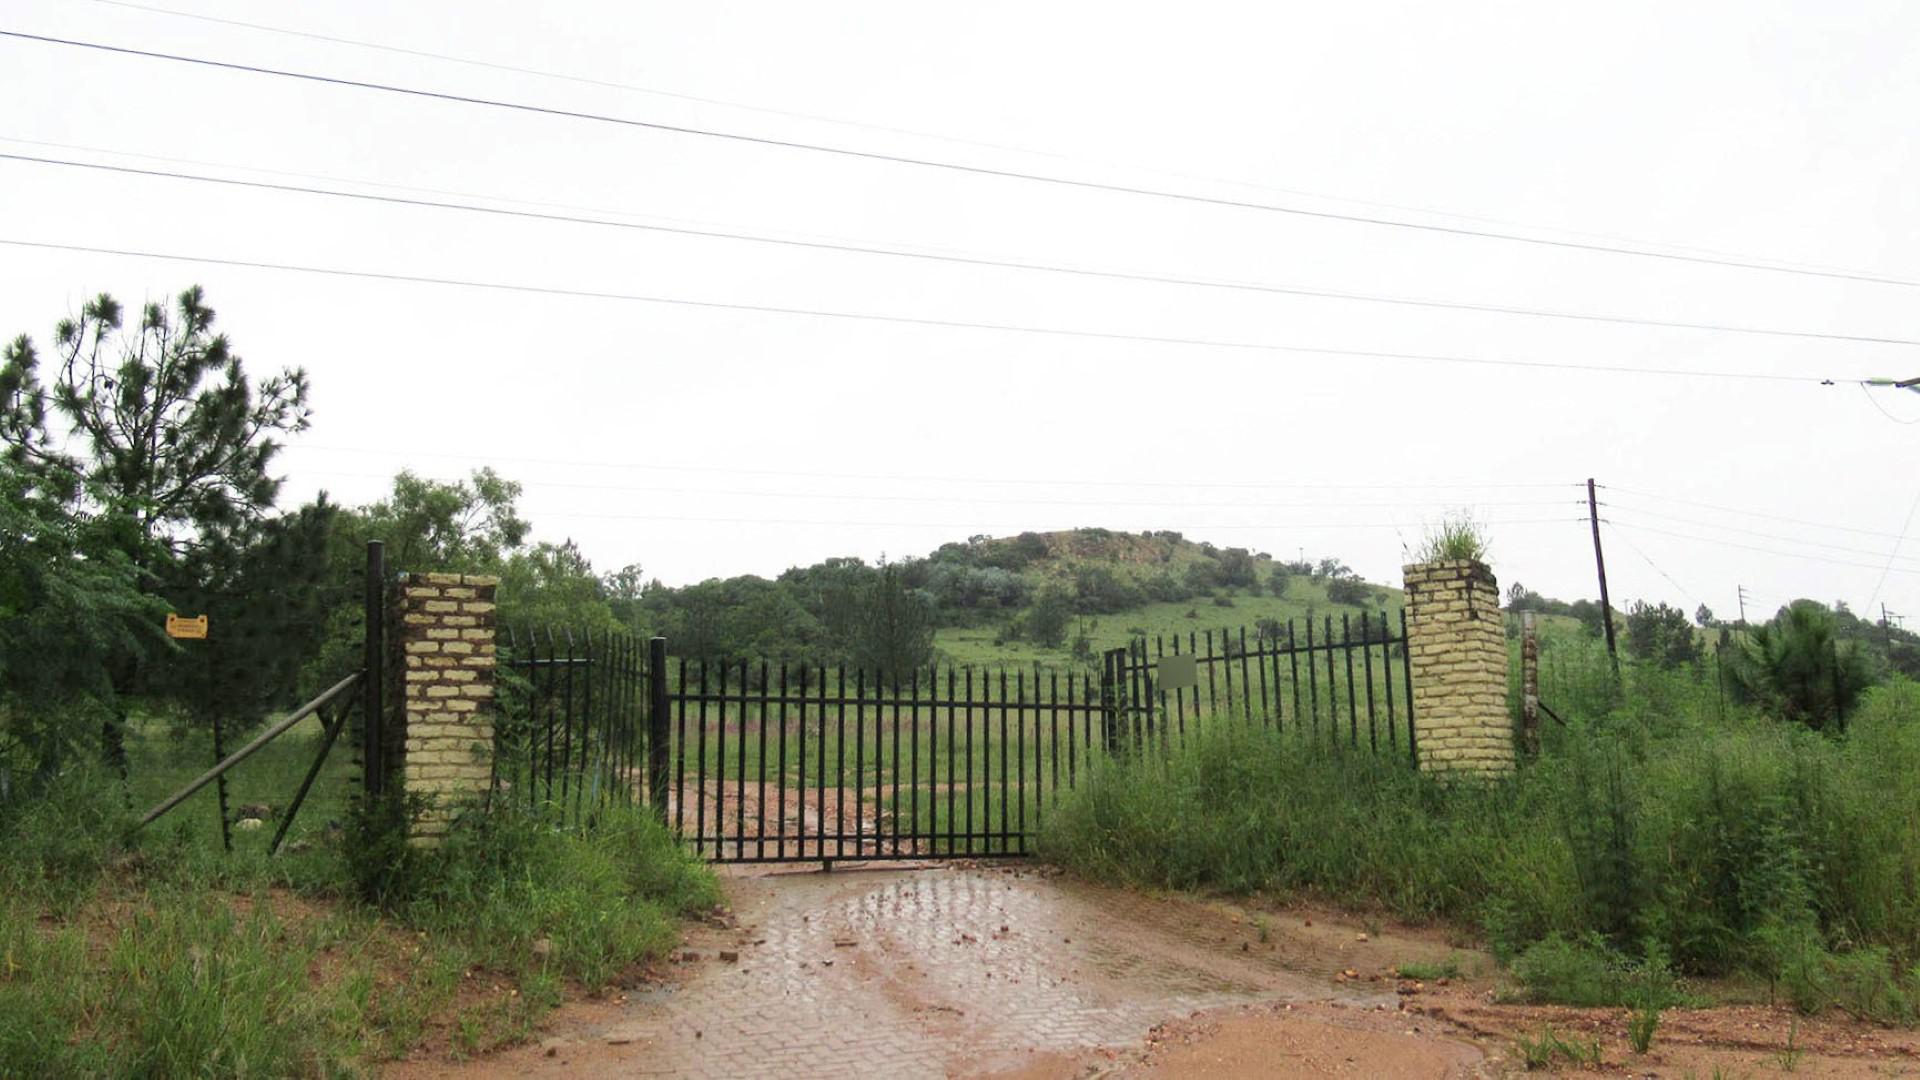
(1121, 585)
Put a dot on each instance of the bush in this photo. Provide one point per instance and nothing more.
(1797, 668)
(1347, 590)
(1746, 845)
(605, 899)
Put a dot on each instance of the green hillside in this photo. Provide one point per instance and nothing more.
(1118, 585)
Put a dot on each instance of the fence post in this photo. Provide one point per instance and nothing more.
(658, 750)
(1111, 674)
(373, 680)
(1529, 683)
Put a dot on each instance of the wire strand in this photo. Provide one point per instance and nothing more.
(964, 260)
(1888, 569)
(960, 167)
(1875, 552)
(921, 133)
(1752, 547)
(950, 324)
(908, 477)
(1723, 508)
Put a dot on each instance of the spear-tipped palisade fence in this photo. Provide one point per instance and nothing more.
(765, 761)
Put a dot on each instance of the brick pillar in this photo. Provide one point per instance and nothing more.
(1457, 642)
(446, 634)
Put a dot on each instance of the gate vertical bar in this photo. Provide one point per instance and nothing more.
(658, 748)
(1346, 647)
(1406, 663)
(373, 773)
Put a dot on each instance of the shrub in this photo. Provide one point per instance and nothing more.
(1717, 847)
(1797, 668)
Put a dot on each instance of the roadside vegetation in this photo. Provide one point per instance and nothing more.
(1665, 835)
(158, 954)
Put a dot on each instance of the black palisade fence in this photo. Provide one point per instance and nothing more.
(757, 761)
(570, 730)
(1349, 682)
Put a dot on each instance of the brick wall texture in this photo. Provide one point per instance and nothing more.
(1458, 645)
(446, 635)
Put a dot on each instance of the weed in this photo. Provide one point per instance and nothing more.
(1641, 1026)
(1430, 972)
(1541, 1053)
(1789, 1058)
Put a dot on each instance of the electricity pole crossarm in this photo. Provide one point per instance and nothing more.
(1897, 384)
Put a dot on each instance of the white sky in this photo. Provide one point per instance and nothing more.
(700, 442)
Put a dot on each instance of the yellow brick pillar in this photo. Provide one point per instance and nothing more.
(1456, 640)
(446, 637)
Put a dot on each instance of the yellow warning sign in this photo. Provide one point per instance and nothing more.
(195, 628)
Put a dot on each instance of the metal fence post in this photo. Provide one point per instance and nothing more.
(1111, 675)
(373, 749)
(657, 737)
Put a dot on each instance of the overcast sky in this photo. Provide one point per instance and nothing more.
(702, 442)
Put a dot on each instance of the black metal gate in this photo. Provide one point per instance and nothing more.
(753, 761)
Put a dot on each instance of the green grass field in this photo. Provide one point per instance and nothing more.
(980, 645)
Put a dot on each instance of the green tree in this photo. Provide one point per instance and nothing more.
(1047, 618)
(1277, 580)
(1797, 667)
(1660, 634)
(70, 606)
(163, 435)
(1703, 615)
(896, 626)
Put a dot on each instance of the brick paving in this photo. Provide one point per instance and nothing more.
(922, 973)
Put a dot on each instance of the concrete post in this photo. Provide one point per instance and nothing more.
(1457, 643)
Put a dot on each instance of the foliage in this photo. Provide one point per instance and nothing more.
(1717, 846)
(70, 606)
(1660, 634)
(605, 899)
(174, 432)
(1796, 667)
(1348, 590)
(165, 442)
(894, 635)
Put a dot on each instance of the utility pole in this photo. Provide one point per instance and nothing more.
(1600, 564)
(1742, 593)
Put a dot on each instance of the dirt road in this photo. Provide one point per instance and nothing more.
(970, 971)
(998, 971)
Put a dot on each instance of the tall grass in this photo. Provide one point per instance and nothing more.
(154, 953)
(1731, 844)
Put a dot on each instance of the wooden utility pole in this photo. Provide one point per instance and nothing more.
(1600, 564)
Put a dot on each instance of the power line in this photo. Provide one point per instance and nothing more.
(976, 524)
(960, 167)
(965, 260)
(1769, 551)
(1875, 552)
(1875, 402)
(913, 132)
(904, 320)
(1887, 569)
(1260, 504)
(1645, 558)
(922, 478)
(1748, 513)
